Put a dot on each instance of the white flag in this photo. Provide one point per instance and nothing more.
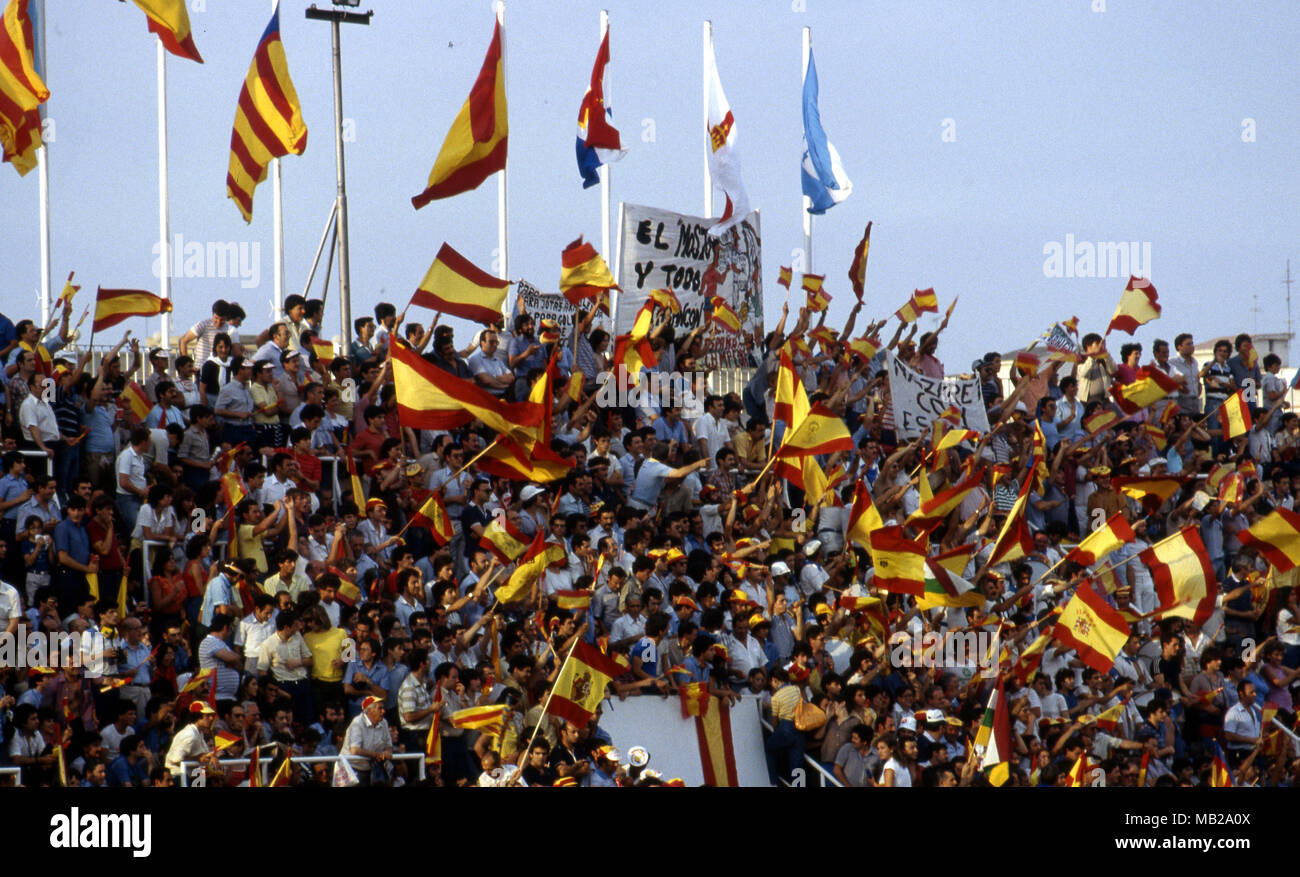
(344, 775)
(724, 162)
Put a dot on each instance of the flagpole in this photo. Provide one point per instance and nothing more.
(604, 168)
(549, 695)
(708, 179)
(503, 218)
(806, 201)
(474, 459)
(164, 215)
(277, 226)
(43, 172)
(341, 228)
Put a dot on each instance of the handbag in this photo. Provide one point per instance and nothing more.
(808, 716)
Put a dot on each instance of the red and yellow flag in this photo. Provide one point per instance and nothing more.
(1092, 628)
(171, 22)
(477, 717)
(573, 600)
(784, 277)
(723, 315)
(1234, 416)
(633, 350)
(899, 562)
(858, 269)
(112, 306)
(21, 90)
(137, 401)
(504, 540)
(1136, 306)
(1277, 537)
(433, 742)
(932, 512)
(821, 432)
(583, 273)
(433, 515)
(508, 459)
(1110, 536)
(1014, 539)
(818, 298)
(923, 301)
(864, 517)
(665, 298)
(430, 398)
(1151, 386)
(282, 774)
(580, 686)
(475, 147)
(268, 119)
(455, 285)
(536, 559)
(1101, 419)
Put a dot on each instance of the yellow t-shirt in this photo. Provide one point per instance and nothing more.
(326, 645)
(251, 546)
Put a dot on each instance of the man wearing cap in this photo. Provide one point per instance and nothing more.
(1109, 501)
(606, 773)
(191, 742)
(368, 742)
(234, 406)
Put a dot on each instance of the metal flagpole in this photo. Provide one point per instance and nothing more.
(503, 216)
(604, 168)
(807, 202)
(43, 173)
(277, 226)
(708, 179)
(164, 216)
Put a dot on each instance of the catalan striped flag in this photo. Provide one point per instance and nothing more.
(1220, 774)
(430, 398)
(21, 90)
(923, 301)
(1136, 306)
(478, 717)
(169, 20)
(455, 285)
(858, 269)
(268, 119)
(1092, 628)
(433, 515)
(723, 314)
(1277, 537)
(112, 306)
(1234, 416)
(1110, 536)
(583, 273)
(475, 147)
(137, 401)
(573, 600)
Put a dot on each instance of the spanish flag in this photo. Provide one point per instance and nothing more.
(1136, 306)
(633, 350)
(475, 147)
(455, 285)
(1092, 628)
(955, 560)
(477, 717)
(348, 593)
(21, 90)
(504, 540)
(580, 687)
(1151, 386)
(508, 459)
(1156, 489)
(723, 315)
(821, 432)
(825, 337)
(358, 494)
(933, 511)
(857, 604)
(818, 297)
(791, 400)
(233, 486)
(583, 273)
(433, 742)
(536, 559)
(169, 20)
(224, 740)
(430, 398)
(112, 306)
(1027, 362)
(1277, 537)
(864, 518)
(282, 774)
(923, 301)
(433, 515)
(1101, 419)
(665, 298)
(1014, 539)
(1234, 416)
(858, 270)
(1110, 536)
(1077, 778)
(695, 699)
(1031, 658)
(573, 600)
(899, 562)
(268, 119)
(137, 401)
(784, 276)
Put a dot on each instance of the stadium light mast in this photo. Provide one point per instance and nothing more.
(336, 17)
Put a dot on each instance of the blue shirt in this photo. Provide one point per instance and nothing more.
(99, 440)
(121, 772)
(377, 674)
(10, 489)
(648, 652)
(699, 672)
(670, 432)
(73, 539)
(217, 593)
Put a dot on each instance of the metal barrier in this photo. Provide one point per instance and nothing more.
(15, 772)
(264, 765)
(334, 474)
(827, 779)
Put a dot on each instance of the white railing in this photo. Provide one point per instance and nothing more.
(827, 779)
(264, 764)
(15, 772)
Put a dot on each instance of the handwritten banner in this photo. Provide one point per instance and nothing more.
(659, 249)
(919, 400)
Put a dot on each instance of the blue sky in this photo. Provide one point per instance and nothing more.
(1120, 125)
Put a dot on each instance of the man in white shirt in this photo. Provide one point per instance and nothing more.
(711, 432)
(37, 419)
(255, 628)
(1243, 722)
(191, 742)
(630, 626)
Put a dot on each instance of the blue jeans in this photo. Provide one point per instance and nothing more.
(128, 508)
(785, 740)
